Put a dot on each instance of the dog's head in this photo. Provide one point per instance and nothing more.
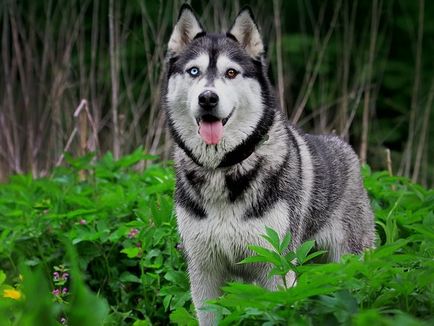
(217, 95)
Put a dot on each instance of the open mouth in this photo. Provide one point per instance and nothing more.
(211, 128)
(211, 118)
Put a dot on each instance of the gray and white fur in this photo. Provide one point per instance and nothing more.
(263, 172)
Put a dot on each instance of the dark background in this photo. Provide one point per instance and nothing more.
(361, 69)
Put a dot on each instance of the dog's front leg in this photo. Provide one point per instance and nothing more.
(205, 285)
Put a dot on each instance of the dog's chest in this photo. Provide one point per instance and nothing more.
(225, 190)
(213, 190)
(224, 235)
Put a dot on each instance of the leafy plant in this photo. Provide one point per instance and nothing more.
(115, 231)
(282, 259)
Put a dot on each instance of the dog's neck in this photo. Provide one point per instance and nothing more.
(243, 152)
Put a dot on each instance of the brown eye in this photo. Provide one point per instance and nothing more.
(231, 73)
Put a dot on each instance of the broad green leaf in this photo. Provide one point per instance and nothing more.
(303, 250)
(131, 252)
(314, 254)
(255, 259)
(271, 255)
(272, 237)
(182, 317)
(176, 277)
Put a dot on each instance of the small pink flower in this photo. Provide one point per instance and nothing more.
(133, 233)
(83, 221)
(65, 276)
(63, 320)
(55, 276)
(56, 292)
(64, 290)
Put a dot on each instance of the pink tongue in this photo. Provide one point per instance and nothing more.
(211, 132)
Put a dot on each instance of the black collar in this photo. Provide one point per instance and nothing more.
(249, 145)
(243, 151)
(234, 157)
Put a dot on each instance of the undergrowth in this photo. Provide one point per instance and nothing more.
(112, 230)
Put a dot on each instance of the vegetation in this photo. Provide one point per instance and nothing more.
(106, 232)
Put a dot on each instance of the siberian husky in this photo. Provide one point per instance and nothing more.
(241, 167)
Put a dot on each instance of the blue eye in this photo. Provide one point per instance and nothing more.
(194, 72)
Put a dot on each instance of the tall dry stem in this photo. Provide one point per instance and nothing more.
(280, 80)
(368, 101)
(408, 153)
(318, 53)
(347, 45)
(114, 73)
(423, 134)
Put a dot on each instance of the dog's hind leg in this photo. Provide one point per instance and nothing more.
(332, 238)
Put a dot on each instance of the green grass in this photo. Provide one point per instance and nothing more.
(115, 232)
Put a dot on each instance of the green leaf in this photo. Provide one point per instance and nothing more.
(176, 277)
(285, 242)
(387, 250)
(134, 158)
(166, 301)
(427, 231)
(182, 317)
(254, 259)
(2, 277)
(290, 256)
(272, 237)
(129, 278)
(270, 255)
(131, 252)
(277, 271)
(303, 250)
(314, 254)
(80, 212)
(142, 323)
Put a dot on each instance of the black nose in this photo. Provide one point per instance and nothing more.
(208, 100)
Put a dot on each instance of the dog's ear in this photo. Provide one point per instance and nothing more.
(246, 32)
(186, 28)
